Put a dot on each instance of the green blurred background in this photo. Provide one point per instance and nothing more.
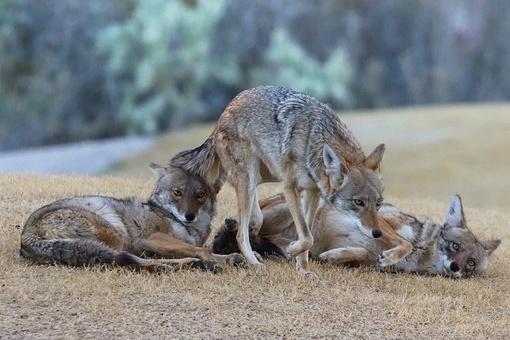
(77, 70)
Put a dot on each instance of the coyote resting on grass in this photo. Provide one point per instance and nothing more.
(406, 245)
(272, 134)
(94, 230)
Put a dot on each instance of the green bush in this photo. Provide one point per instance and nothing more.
(161, 57)
(287, 64)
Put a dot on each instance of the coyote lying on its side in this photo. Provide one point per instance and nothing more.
(93, 230)
(406, 244)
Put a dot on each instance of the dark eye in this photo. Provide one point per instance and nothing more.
(358, 202)
(471, 263)
(177, 192)
(378, 203)
(455, 246)
(200, 194)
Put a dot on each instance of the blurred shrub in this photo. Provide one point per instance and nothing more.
(74, 69)
(161, 60)
(52, 82)
(287, 64)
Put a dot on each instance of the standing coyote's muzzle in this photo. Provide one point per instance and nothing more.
(357, 193)
(371, 220)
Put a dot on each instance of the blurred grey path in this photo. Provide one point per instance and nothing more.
(83, 158)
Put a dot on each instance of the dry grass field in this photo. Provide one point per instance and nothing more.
(431, 152)
(451, 153)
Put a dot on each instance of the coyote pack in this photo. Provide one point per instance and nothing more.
(407, 244)
(275, 134)
(95, 230)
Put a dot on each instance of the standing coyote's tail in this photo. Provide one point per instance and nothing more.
(203, 162)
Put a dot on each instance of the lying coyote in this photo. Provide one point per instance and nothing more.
(95, 230)
(407, 244)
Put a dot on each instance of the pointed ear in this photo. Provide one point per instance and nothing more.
(334, 165)
(455, 213)
(158, 170)
(373, 161)
(491, 245)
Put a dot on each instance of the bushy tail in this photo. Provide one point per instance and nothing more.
(73, 252)
(203, 162)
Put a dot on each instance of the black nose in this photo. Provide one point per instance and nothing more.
(376, 233)
(454, 267)
(189, 216)
(230, 224)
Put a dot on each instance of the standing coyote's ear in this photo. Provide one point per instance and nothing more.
(336, 167)
(158, 170)
(455, 215)
(373, 161)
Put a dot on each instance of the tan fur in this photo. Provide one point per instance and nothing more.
(92, 230)
(271, 133)
(407, 244)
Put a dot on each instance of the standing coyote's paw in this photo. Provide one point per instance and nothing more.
(207, 265)
(259, 269)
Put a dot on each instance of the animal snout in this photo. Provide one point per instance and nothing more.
(189, 216)
(230, 224)
(454, 267)
(377, 233)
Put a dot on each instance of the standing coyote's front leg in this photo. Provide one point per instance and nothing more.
(300, 247)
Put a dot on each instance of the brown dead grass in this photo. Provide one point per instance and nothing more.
(69, 303)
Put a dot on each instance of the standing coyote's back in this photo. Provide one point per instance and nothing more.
(272, 133)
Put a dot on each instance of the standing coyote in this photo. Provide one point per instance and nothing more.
(407, 244)
(93, 230)
(271, 133)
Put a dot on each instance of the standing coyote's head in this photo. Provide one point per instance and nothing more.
(462, 253)
(189, 199)
(356, 189)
